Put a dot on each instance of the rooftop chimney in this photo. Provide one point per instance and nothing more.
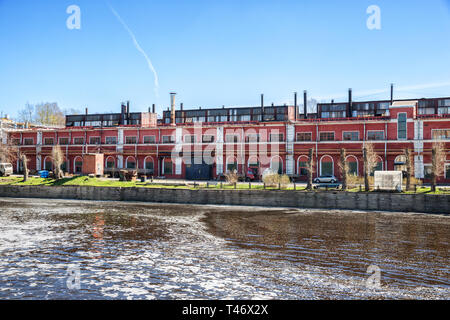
(305, 104)
(181, 106)
(350, 103)
(87, 111)
(262, 106)
(295, 106)
(392, 93)
(172, 106)
(153, 108)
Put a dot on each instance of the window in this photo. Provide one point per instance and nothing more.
(401, 126)
(189, 139)
(48, 141)
(427, 169)
(167, 166)
(230, 138)
(111, 140)
(78, 165)
(149, 139)
(277, 165)
(375, 135)
(350, 136)
(130, 140)
(303, 167)
(63, 141)
(131, 163)
(352, 166)
(276, 137)
(208, 138)
(48, 164)
(447, 171)
(252, 137)
(326, 136)
(326, 166)
(28, 141)
(168, 139)
(16, 142)
(441, 134)
(149, 165)
(110, 163)
(304, 136)
(94, 140)
(78, 140)
(231, 165)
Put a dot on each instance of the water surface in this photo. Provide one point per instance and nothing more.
(164, 251)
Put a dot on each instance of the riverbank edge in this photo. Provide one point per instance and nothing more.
(374, 201)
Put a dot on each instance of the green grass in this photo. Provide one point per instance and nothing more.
(95, 182)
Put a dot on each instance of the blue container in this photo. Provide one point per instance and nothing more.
(43, 174)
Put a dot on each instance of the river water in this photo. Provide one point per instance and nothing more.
(58, 249)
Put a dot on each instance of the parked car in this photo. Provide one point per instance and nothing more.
(326, 179)
(6, 169)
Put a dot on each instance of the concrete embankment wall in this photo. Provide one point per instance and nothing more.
(322, 200)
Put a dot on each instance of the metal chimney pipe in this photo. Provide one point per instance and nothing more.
(305, 104)
(87, 111)
(172, 105)
(128, 107)
(262, 107)
(181, 106)
(350, 103)
(295, 106)
(392, 93)
(153, 108)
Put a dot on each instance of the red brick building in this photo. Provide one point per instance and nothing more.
(205, 143)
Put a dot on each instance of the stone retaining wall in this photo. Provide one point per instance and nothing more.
(323, 200)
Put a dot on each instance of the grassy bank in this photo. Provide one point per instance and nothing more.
(102, 182)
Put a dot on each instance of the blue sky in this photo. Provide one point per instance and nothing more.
(215, 53)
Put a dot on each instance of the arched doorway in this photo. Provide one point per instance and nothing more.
(326, 166)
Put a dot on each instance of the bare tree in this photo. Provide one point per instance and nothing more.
(343, 165)
(27, 114)
(408, 168)
(49, 114)
(58, 159)
(437, 163)
(370, 162)
(8, 153)
(310, 169)
(24, 159)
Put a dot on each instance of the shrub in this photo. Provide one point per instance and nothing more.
(231, 177)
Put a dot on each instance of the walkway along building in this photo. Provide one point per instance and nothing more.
(205, 143)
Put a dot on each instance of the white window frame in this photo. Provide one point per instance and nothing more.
(117, 139)
(332, 164)
(310, 132)
(59, 141)
(334, 136)
(351, 132)
(46, 144)
(367, 137)
(172, 138)
(78, 138)
(406, 126)
(125, 139)
(154, 138)
(95, 144)
(32, 139)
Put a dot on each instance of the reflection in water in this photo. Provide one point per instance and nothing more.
(154, 251)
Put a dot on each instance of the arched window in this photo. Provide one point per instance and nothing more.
(110, 163)
(48, 164)
(168, 166)
(149, 165)
(77, 165)
(253, 161)
(131, 163)
(302, 166)
(231, 164)
(326, 166)
(352, 162)
(276, 164)
(378, 167)
(400, 163)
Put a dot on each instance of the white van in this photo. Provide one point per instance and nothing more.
(6, 169)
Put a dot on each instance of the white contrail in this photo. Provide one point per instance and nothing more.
(138, 47)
